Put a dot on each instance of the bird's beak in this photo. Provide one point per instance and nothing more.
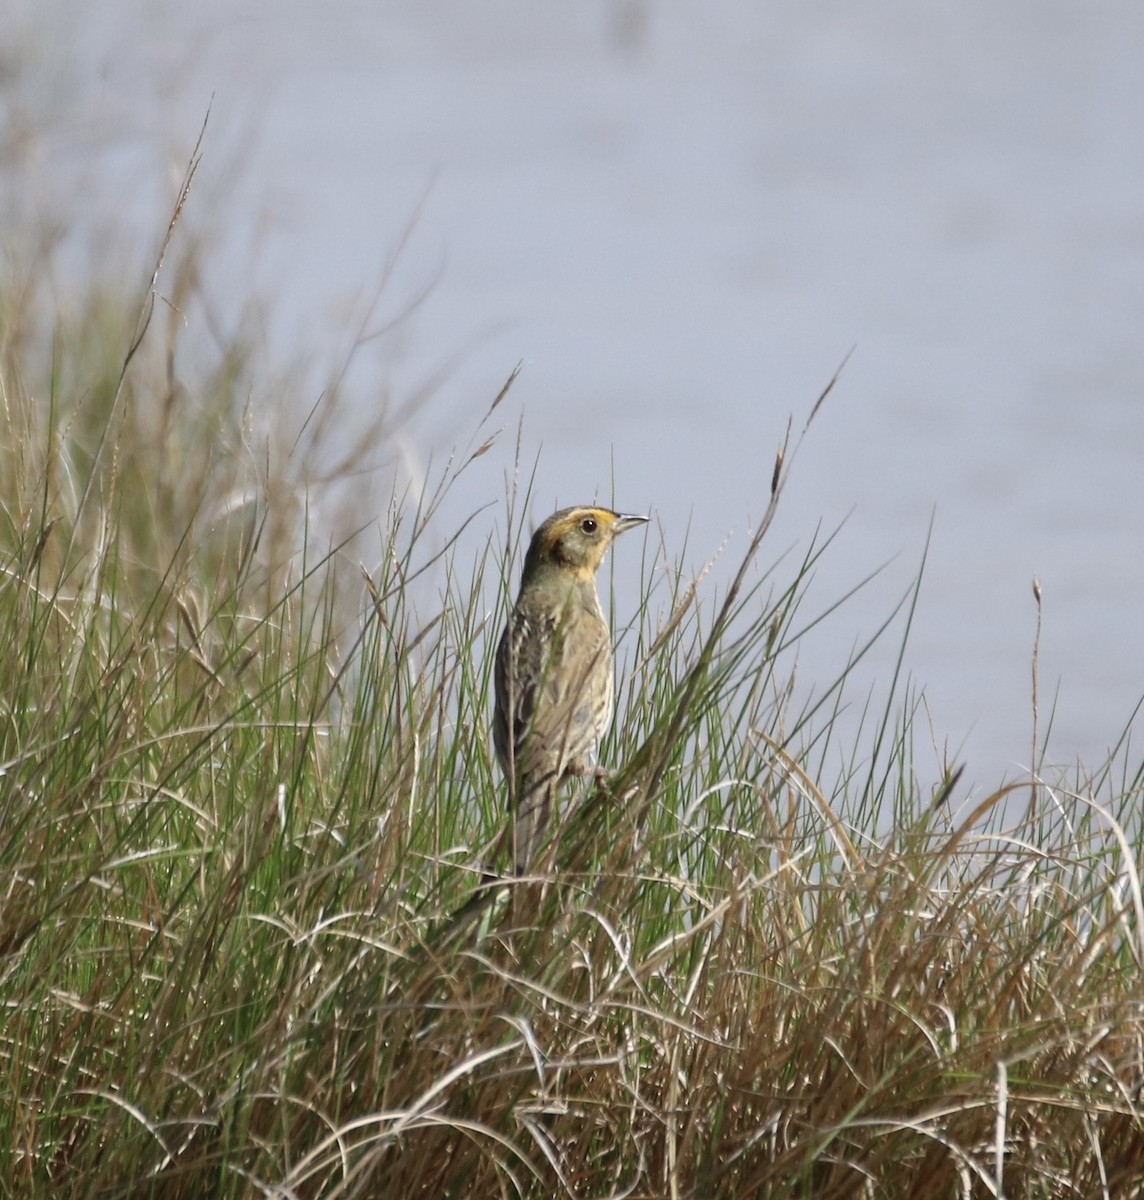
(622, 523)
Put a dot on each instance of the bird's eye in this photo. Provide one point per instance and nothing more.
(588, 525)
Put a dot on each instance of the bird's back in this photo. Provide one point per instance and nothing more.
(554, 686)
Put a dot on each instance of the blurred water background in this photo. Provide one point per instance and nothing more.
(681, 218)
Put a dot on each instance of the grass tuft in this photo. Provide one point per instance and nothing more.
(252, 939)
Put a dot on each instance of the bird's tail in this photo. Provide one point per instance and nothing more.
(533, 810)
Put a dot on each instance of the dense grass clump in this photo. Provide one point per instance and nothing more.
(252, 938)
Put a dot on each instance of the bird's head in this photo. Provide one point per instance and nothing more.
(576, 539)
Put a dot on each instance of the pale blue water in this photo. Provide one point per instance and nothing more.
(681, 218)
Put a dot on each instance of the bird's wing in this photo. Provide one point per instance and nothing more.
(545, 675)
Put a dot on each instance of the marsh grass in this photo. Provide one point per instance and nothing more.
(252, 941)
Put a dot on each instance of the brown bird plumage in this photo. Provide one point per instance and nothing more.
(554, 687)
